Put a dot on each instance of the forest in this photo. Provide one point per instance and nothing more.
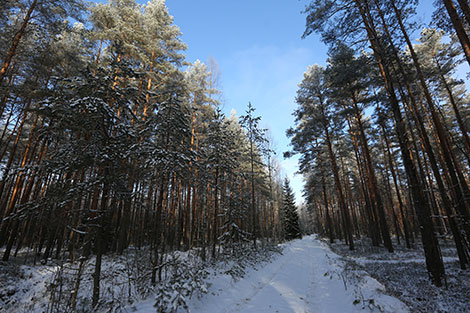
(383, 129)
(112, 144)
(110, 139)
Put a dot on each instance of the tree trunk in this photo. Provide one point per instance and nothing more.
(459, 28)
(216, 210)
(458, 117)
(253, 206)
(465, 9)
(373, 183)
(16, 41)
(434, 261)
(339, 189)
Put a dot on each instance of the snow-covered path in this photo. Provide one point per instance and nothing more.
(308, 277)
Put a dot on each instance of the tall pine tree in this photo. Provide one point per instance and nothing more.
(290, 217)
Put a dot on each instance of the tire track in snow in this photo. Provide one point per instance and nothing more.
(278, 283)
(238, 306)
(307, 278)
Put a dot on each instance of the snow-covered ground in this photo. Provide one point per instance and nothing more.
(49, 288)
(307, 277)
(404, 275)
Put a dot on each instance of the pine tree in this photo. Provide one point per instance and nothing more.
(289, 216)
(317, 121)
(355, 21)
(255, 136)
(348, 82)
(49, 16)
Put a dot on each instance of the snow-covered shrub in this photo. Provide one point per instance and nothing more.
(185, 279)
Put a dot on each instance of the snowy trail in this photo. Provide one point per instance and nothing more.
(307, 278)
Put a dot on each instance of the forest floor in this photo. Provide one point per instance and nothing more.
(307, 277)
(36, 286)
(404, 275)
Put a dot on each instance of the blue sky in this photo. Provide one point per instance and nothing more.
(262, 58)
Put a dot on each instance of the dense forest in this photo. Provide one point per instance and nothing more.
(110, 139)
(382, 130)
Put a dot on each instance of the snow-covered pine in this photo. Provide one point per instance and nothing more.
(186, 278)
(289, 215)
